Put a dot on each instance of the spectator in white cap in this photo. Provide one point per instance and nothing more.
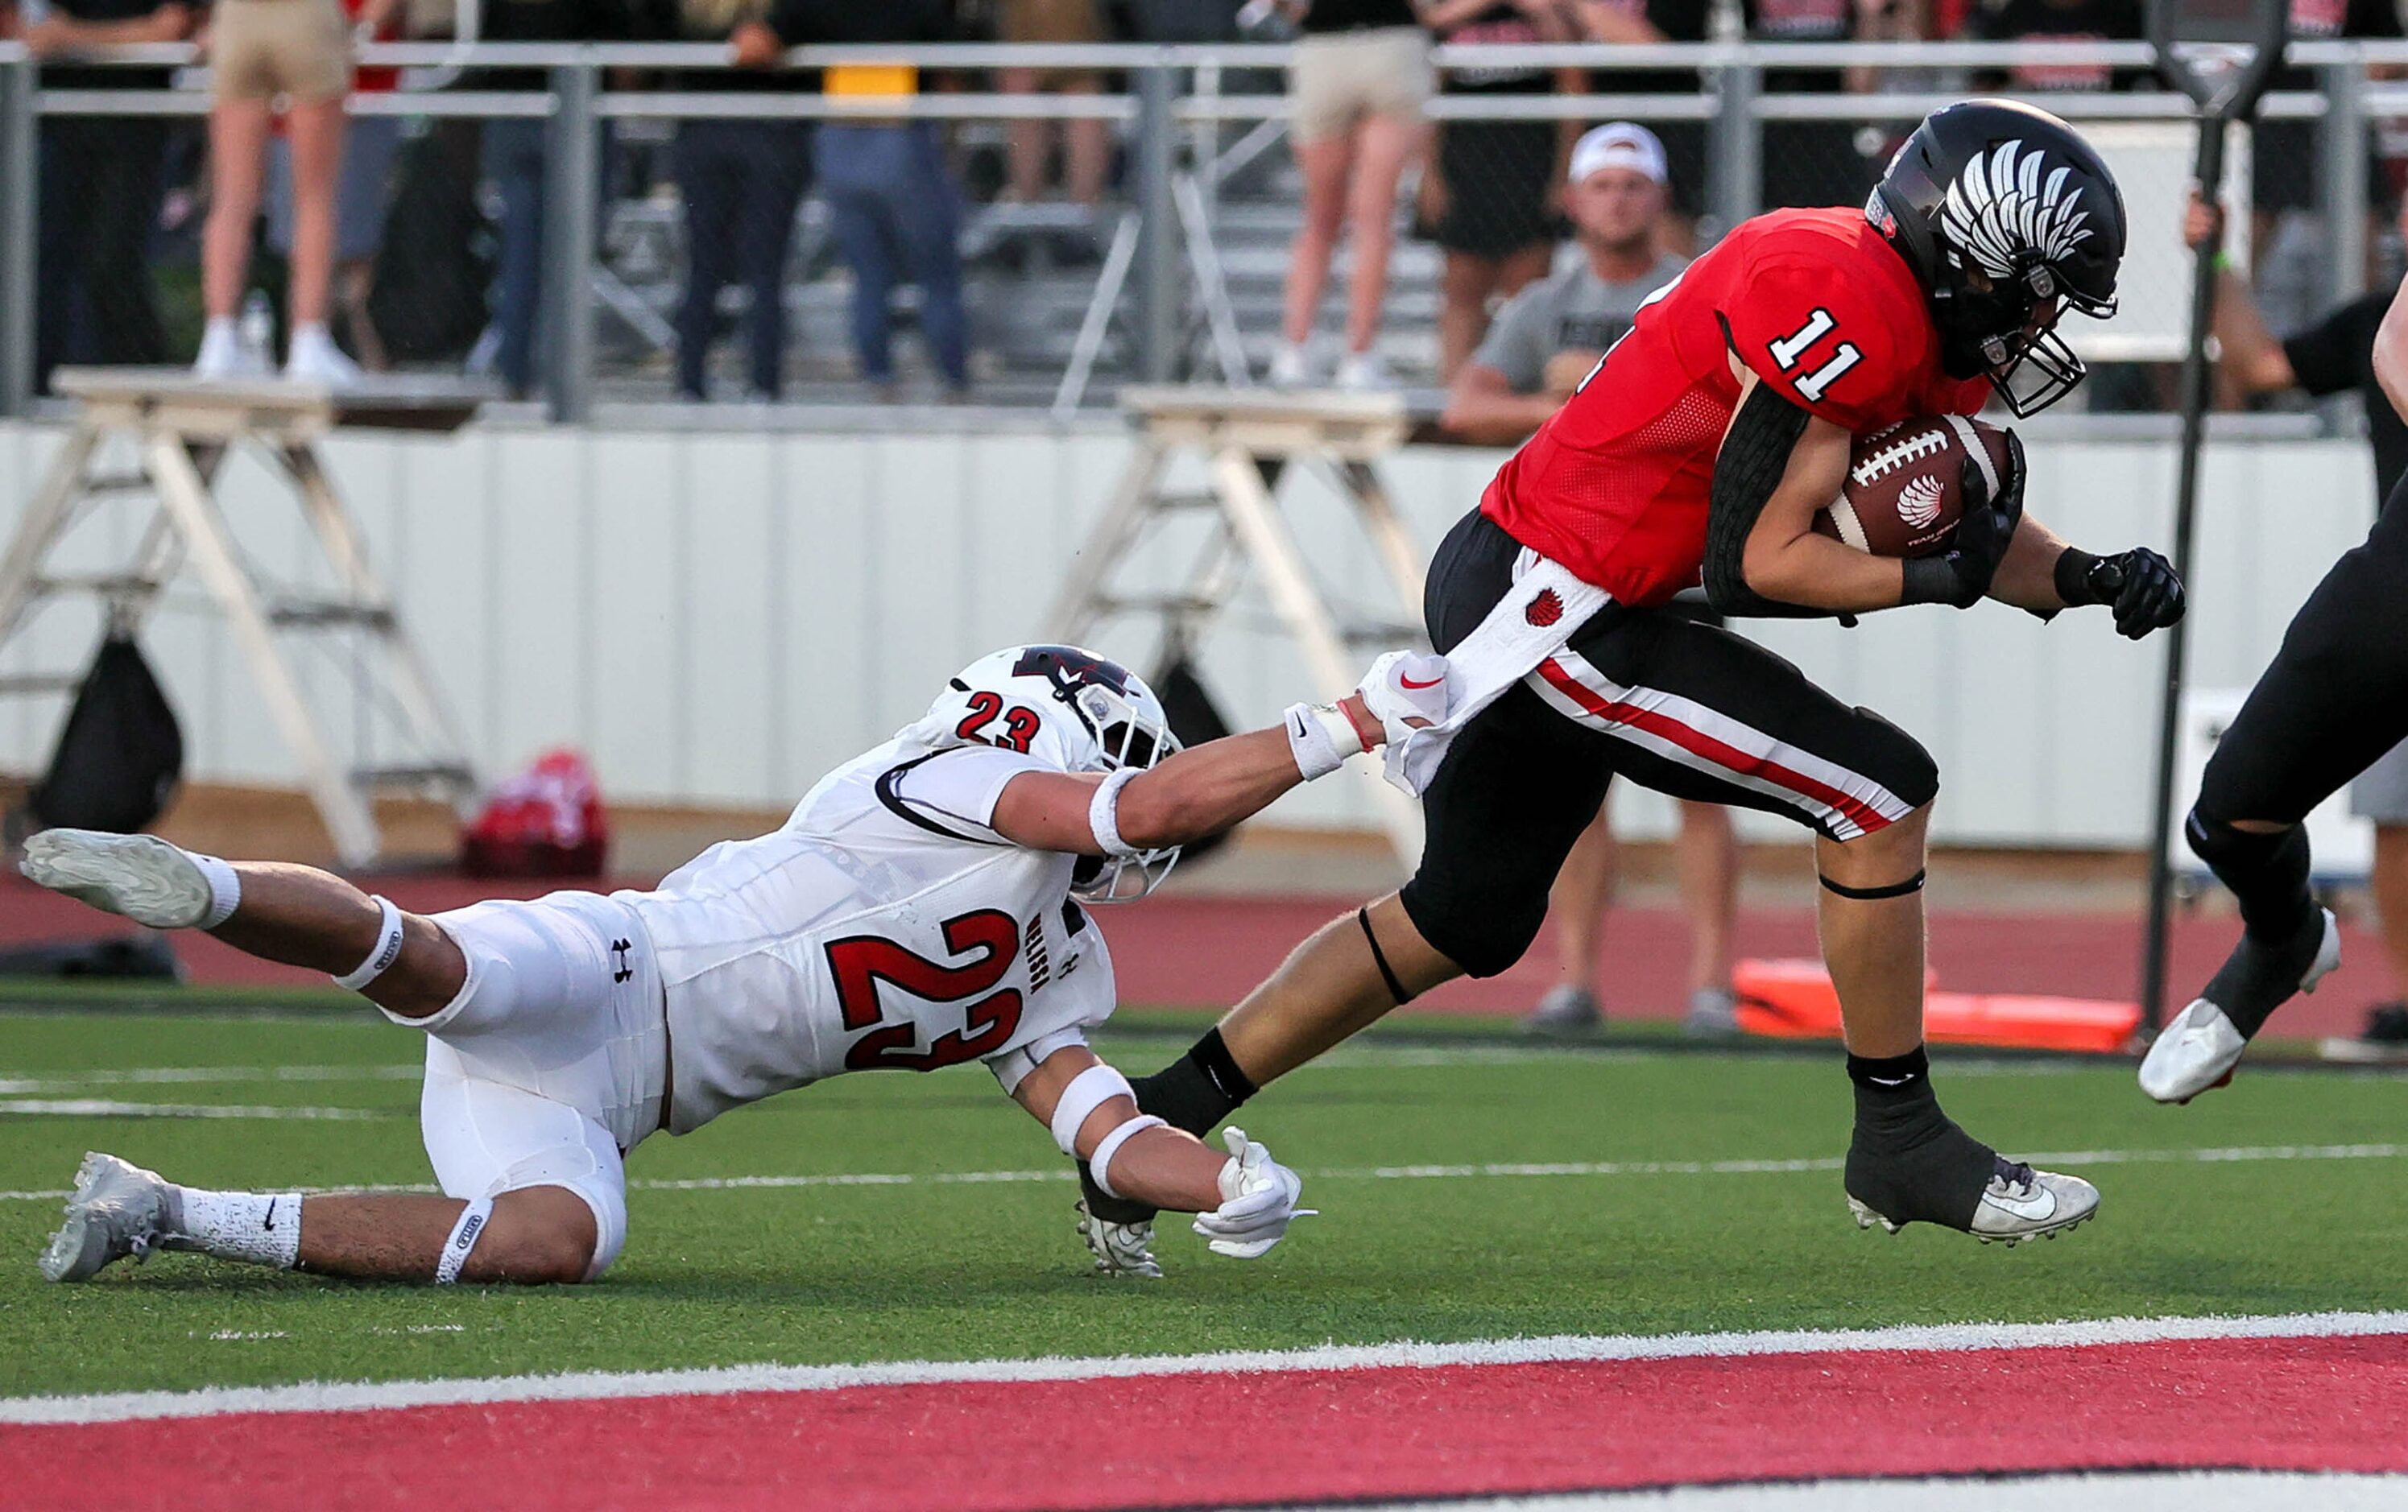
(1549, 335)
(1545, 340)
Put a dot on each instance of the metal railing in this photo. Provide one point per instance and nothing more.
(1191, 127)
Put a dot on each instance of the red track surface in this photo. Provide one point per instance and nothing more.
(1208, 952)
(2331, 1404)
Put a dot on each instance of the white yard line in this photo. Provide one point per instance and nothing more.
(40, 1083)
(105, 1108)
(2219, 1155)
(318, 1396)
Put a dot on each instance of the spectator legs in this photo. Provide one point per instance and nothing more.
(779, 173)
(237, 166)
(710, 173)
(895, 218)
(1325, 165)
(1383, 145)
(513, 152)
(316, 130)
(928, 231)
(99, 204)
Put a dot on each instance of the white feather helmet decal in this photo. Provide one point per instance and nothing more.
(2000, 207)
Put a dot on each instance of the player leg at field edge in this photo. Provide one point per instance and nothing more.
(298, 916)
(1907, 1160)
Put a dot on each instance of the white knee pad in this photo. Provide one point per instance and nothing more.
(485, 1139)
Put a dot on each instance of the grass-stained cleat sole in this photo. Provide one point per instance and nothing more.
(139, 875)
(116, 1210)
(1121, 1250)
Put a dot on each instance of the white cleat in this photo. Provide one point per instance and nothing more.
(2018, 1202)
(2197, 1052)
(116, 1209)
(1258, 1200)
(1120, 1248)
(140, 876)
(2022, 1204)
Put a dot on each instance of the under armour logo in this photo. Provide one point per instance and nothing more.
(627, 969)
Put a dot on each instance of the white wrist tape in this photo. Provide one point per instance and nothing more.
(1320, 737)
(1102, 1165)
(1104, 814)
(473, 1218)
(387, 951)
(1088, 1090)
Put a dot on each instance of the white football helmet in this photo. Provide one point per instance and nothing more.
(1070, 708)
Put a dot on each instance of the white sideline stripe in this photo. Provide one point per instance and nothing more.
(2232, 1155)
(586, 1386)
(36, 1082)
(104, 1107)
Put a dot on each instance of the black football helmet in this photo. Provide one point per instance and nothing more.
(2008, 218)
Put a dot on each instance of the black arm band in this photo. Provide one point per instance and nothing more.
(1754, 455)
(1874, 894)
(1380, 959)
(2072, 575)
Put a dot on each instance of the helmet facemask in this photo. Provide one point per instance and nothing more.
(1127, 737)
(2007, 332)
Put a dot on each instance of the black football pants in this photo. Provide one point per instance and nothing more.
(1673, 705)
(2335, 696)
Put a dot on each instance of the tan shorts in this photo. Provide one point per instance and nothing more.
(262, 48)
(1341, 78)
(1050, 20)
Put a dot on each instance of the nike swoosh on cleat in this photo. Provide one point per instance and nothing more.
(2037, 1209)
(1889, 1081)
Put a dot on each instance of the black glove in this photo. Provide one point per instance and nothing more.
(2140, 584)
(1961, 575)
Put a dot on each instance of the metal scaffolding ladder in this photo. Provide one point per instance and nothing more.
(1247, 439)
(181, 431)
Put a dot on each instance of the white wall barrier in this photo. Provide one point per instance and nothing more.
(717, 618)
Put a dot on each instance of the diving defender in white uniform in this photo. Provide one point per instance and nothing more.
(918, 910)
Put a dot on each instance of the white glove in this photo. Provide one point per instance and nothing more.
(1258, 1200)
(1406, 690)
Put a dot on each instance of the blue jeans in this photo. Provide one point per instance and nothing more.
(742, 182)
(513, 163)
(897, 220)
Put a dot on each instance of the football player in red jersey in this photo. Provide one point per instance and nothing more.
(1698, 451)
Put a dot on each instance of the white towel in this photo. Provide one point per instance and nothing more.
(1533, 622)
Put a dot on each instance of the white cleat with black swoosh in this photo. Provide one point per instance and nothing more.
(2018, 1202)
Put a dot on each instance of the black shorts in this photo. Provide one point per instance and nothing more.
(1679, 706)
(2336, 695)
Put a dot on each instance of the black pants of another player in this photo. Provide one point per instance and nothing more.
(2335, 697)
(1682, 708)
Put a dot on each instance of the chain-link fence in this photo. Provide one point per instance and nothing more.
(1035, 226)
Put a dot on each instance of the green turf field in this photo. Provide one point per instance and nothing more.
(960, 1269)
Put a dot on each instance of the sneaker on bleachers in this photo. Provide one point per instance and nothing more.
(1364, 372)
(316, 359)
(222, 356)
(1291, 367)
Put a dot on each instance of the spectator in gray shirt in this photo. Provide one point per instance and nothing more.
(1548, 339)
(1550, 335)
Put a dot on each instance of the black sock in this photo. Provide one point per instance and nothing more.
(1194, 1092)
(2258, 977)
(1198, 1089)
(2282, 927)
(2268, 874)
(1908, 1161)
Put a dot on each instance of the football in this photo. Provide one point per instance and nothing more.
(1904, 489)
